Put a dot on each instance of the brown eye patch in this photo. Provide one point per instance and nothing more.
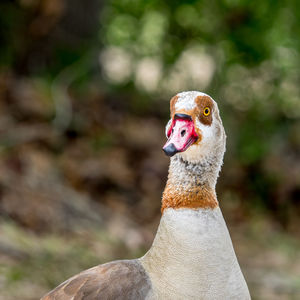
(204, 102)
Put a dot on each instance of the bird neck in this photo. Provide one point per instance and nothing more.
(191, 185)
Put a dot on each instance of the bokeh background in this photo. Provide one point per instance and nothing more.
(84, 97)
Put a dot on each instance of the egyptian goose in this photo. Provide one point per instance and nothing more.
(192, 256)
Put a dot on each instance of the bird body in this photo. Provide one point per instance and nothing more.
(192, 256)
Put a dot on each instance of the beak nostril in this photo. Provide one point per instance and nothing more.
(181, 135)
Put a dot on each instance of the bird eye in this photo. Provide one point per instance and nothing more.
(206, 111)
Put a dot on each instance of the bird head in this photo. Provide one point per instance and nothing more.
(195, 129)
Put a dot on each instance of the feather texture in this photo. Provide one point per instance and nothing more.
(125, 279)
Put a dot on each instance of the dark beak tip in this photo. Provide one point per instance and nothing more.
(170, 150)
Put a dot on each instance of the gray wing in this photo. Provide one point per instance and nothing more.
(125, 279)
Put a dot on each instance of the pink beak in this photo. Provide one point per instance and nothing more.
(181, 135)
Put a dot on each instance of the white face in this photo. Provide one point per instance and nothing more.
(212, 135)
(197, 152)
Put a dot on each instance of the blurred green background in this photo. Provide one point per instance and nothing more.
(84, 97)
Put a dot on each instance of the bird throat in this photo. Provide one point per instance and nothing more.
(194, 197)
(188, 187)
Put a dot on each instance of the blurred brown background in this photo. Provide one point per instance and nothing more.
(84, 98)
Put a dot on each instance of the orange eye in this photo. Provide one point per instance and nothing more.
(206, 111)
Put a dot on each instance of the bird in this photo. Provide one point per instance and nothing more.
(192, 256)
